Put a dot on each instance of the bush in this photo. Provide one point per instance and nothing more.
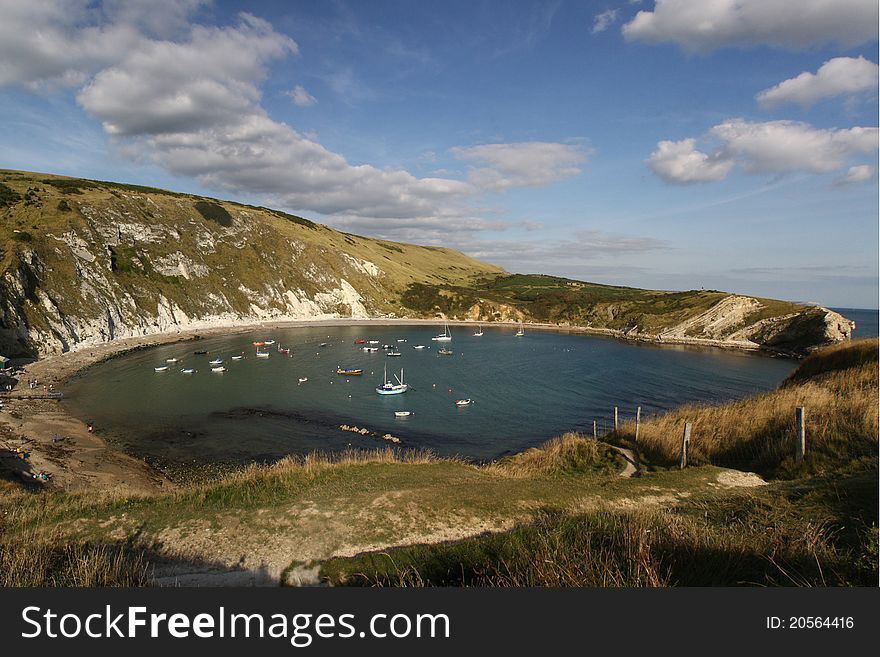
(8, 196)
(214, 212)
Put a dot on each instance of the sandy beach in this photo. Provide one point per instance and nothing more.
(81, 460)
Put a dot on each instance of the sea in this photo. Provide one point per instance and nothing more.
(523, 390)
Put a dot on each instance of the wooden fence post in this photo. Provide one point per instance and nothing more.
(685, 443)
(801, 444)
(615, 418)
(595, 436)
(638, 421)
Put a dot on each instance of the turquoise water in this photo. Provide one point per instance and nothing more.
(525, 390)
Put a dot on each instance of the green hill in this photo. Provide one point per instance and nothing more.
(84, 261)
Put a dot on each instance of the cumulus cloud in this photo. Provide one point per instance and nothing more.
(521, 164)
(301, 97)
(703, 26)
(836, 77)
(604, 20)
(773, 146)
(680, 162)
(861, 173)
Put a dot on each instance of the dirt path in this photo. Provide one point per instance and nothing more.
(632, 462)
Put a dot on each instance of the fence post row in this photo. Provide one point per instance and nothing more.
(685, 443)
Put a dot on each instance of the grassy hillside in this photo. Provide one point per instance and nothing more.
(838, 386)
(559, 515)
(85, 261)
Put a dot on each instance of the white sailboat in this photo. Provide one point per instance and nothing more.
(520, 333)
(446, 336)
(389, 388)
(479, 333)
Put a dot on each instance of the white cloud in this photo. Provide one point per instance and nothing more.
(521, 164)
(710, 24)
(836, 77)
(779, 146)
(770, 147)
(858, 174)
(680, 162)
(604, 20)
(301, 97)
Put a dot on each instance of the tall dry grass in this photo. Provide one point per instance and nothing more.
(837, 386)
(568, 453)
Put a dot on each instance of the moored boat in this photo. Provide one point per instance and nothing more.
(163, 368)
(187, 370)
(239, 357)
(446, 336)
(170, 360)
(216, 361)
(262, 354)
(443, 351)
(463, 402)
(479, 332)
(393, 353)
(269, 342)
(389, 388)
(220, 369)
(520, 333)
(303, 379)
(371, 349)
(200, 353)
(402, 413)
(359, 341)
(418, 346)
(259, 343)
(349, 372)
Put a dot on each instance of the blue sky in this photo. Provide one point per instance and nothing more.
(675, 145)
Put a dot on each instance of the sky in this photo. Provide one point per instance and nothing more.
(676, 144)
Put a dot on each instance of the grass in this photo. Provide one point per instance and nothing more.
(765, 539)
(838, 386)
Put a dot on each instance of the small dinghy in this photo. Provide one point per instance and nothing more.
(200, 353)
(401, 339)
(262, 354)
(359, 341)
(216, 361)
(373, 342)
(237, 357)
(283, 350)
(324, 344)
(220, 369)
(418, 346)
(170, 360)
(393, 353)
(269, 342)
(371, 349)
(463, 402)
(187, 370)
(444, 351)
(164, 368)
(259, 343)
(303, 379)
(402, 413)
(388, 346)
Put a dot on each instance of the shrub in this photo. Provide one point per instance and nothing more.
(214, 212)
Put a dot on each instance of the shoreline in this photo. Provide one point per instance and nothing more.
(80, 460)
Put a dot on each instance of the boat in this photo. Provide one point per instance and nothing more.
(463, 402)
(187, 370)
(389, 388)
(283, 350)
(373, 342)
(164, 368)
(402, 413)
(259, 344)
(479, 333)
(388, 346)
(170, 360)
(359, 341)
(446, 336)
(520, 333)
(303, 379)
(200, 353)
(443, 351)
(393, 353)
(349, 372)
(220, 369)
(269, 342)
(239, 357)
(216, 361)
(324, 344)
(371, 349)
(418, 346)
(401, 339)
(262, 354)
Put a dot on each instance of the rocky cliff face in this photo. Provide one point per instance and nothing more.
(84, 262)
(116, 262)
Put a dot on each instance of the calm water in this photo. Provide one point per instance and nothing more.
(525, 390)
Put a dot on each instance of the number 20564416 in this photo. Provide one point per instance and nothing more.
(810, 623)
